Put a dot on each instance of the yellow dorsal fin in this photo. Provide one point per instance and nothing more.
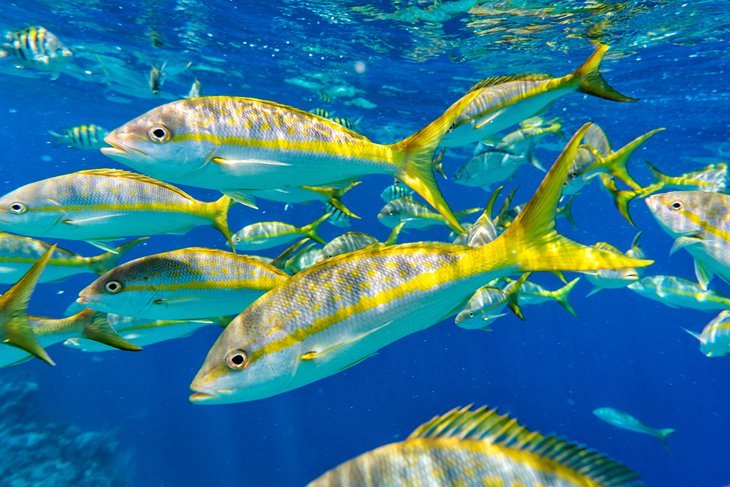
(488, 425)
(118, 173)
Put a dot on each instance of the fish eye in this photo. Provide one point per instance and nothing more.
(113, 287)
(158, 133)
(18, 208)
(471, 314)
(677, 205)
(237, 360)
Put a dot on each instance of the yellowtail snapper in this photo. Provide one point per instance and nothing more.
(715, 336)
(677, 292)
(265, 235)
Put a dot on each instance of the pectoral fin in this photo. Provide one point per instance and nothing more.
(169, 301)
(704, 275)
(103, 245)
(683, 242)
(91, 219)
(248, 162)
(329, 353)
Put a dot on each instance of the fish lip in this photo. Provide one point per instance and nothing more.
(119, 149)
(200, 396)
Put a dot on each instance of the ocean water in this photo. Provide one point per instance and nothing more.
(393, 66)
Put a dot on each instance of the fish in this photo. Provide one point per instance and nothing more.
(715, 336)
(338, 217)
(525, 139)
(304, 259)
(345, 122)
(87, 324)
(352, 241)
(18, 254)
(487, 304)
(395, 191)
(677, 292)
(183, 284)
(15, 329)
(144, 332)
(596, 157)
(479, 447)
(415, 214)
(699, 221)
(195, 90)
(505, 101)
(483, 230)
(156, 78)
(265, 235)
(234, 143)
(712, 178)
(623, 198)
(341, 311)
(615, 278)
(37, 48)
(83, 137)
(489, 166)
(625, 421)
(530, 293)
(99, 205)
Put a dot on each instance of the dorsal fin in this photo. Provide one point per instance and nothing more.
(498, 80)
(488, 425)
(607, 246)
(118, 173)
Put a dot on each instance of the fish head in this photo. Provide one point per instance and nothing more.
(391, 214)
(154, 287)
(31, 209)
(239, 367)
(683, 213)
(164, 143)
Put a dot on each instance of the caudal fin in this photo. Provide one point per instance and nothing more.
(311, 229)
(14, 327)
(219, 218)
(531, 242)
(591, 81)
(662, 436)
(107, 261)
(417, 152)
(561, 296)
(334, 196)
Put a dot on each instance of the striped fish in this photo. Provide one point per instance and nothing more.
(614, 278)
(37, 48)
(18, 254)
(341, 311)
(677, 292)
(265, 235)
(84, 137)
(715, 336)
(699, 221)
(182, 285)
(106, 204)
(232, 143)
(395, 191)
(507, 100)
(479, 447)
(416, 215)
(87, 324)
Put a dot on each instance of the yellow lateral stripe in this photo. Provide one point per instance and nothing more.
(363, 150)
(255, 284)
(71, 262)
(424, 282)
(152, 206)
(702, 223)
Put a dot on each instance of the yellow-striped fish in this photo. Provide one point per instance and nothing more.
(183, 284)
(232, 143)
(615, 278)
(479, 447)
(699, 221)
(715, 336)
(37, 48)
(507, 100)
(18, 254)
(87, 324)
(343, 310)
(416, 215)
(677, 292)
(106, 204)
(84, 137)
(265, 235)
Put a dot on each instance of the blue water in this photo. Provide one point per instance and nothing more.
(550, 371)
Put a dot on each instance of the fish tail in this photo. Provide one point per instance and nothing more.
(566, 211)
(561, 296)
(531, 242)
(417, 167)
(311, 229)
(393, 237)
(591, 81)
(334, 196)
(58, 139)
(617, 163)
(219, 217)
(107, 261)
(662, 435)
(659, 177)
(96, 327)
(623, 198)
(15, 329)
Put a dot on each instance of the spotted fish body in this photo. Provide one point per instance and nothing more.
(479, 447)
(239, 144)
(183, 284)
(89, 324)
(37, 48)
(18, 254)
(343, 310)
(715, 336)
(677, 292)
(144, 332)
(700, 223)
(106, 204)
(84, 137)
(508, 100)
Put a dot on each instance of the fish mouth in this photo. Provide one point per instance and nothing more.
(210, 397)
(119, 150)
